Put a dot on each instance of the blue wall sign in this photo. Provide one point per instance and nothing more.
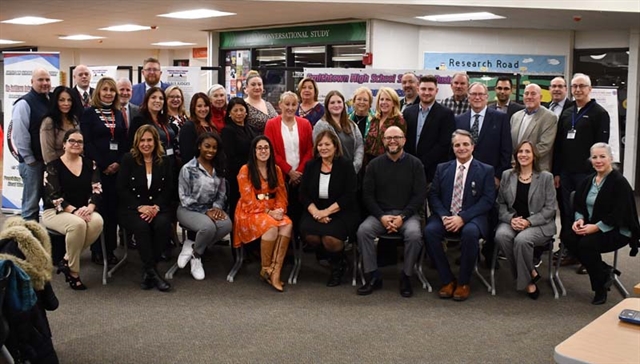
(508, 63)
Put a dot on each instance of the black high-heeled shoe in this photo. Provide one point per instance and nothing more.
(535, 294)
(74, 282)
(63, 267)
(535, 279)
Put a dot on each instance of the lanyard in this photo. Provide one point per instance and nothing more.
(574, 118)
(166, 131)
(108, 124)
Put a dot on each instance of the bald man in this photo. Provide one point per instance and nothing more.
(535, 124)
(26, 119)
(81, 91)
(410, 88)
(393, 191)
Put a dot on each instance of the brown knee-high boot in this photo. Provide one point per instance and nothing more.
(278, 258)
(267, 248)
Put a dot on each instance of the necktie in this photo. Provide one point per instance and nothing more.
(553, 106)
(456, 198)
(126, 119)
(85, 99)
(475, 132)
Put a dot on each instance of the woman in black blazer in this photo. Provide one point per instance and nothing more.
(145, 191)
(327, 192)
(606, 219)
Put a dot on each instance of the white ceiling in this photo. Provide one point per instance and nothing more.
(86, 16)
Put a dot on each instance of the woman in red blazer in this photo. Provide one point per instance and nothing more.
(293, 148)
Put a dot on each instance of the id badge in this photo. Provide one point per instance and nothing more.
(113, 145)
(169, 151)
(571, 134)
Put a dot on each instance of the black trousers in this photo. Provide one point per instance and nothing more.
(151, 237)
(588, 250)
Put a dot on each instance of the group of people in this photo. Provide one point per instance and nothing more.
(318, 172)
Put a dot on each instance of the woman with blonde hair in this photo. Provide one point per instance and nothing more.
(176, 111)
(361, 114)
(260, 111)
(309, 107)
(387, 114)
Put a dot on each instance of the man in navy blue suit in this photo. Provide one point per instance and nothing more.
(491, 131)
(461, 196)
(151, 72)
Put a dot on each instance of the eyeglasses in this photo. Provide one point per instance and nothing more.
(396, 138)
(574, 87)
(74, 141)
(262, 149)
(477, 94)
(152, 70)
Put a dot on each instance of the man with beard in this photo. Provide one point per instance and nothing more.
(410, 88)
(503, 94)
(151, 72)
(461, 196)
(394, 189)
(459, 102)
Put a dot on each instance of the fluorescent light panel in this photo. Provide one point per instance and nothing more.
(7, 41)
(126, 28)
(80, 37)
(31, 20)
(196, 14)
(172, 44)
(461, 17)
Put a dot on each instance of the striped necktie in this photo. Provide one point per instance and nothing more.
(456, 198)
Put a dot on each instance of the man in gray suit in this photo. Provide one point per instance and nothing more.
(129, 110)
(535, 124)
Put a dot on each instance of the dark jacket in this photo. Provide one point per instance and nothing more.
(614, 205)
(132, 184)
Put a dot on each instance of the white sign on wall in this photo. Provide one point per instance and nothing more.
(187, 78)
(97, 72)
(608, 99)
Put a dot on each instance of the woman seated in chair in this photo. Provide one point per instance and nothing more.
(527, 210)
(203, 198)
(72, 184)
(606, 219)
(145, 188)
(261, 210)
(327, 192)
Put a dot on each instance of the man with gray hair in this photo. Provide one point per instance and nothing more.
(26, 119)
(129, 110)
(582, 125)
(458, 103)
(535, 124)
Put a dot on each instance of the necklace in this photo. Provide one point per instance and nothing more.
(360, 119)
(527, 179)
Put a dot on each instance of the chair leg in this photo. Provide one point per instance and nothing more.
(556, 274)
(484, 281)
(124, 258)
(297, 259)
(420, 272)
(616, 280)
(171, 271)
(493, 270)
(238, 263)
(5, 355)
(552, 277)
(105, 266)
(354, 272)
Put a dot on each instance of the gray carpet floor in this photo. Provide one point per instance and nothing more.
(214, 321)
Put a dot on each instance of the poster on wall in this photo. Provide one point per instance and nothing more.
(237, 65)
(187, 78)
(505, 63)
(97, 72)
(607, 97)
(18, 67)
(348, 80)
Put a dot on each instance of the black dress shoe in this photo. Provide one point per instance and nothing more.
(152, 279)
(600, 297)
(535, 294)
(405, 286)
(371, 285)
(147, 282)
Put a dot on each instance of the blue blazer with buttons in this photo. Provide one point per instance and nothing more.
(494, 144)
(478, 198)
(132, 184)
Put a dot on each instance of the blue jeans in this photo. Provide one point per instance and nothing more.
(32, 188)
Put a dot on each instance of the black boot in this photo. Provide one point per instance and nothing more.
(338, 267)
(153, 279)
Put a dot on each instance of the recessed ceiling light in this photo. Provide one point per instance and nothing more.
(461, 17)
(196, 14)
(172, 44)
(126, 28)
(31, 20)
(80, 37)
(7, 41)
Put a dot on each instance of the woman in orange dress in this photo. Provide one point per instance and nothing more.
(261, 210)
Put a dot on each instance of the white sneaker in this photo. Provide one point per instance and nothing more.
(196, 268)
(185, 254)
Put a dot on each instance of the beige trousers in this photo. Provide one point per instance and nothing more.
(79, 234)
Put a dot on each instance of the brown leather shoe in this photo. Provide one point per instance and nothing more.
(447, 290)
(462, 292)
